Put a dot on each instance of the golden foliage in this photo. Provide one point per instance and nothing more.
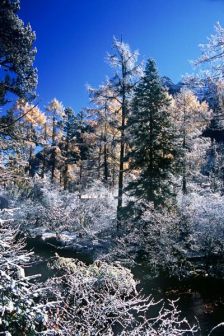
(32, 113)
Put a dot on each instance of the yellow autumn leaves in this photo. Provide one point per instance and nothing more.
(32, 113)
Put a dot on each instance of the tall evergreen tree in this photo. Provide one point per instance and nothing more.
(68, 146)
(18, 77)
(83, 134)
(56, 112)
(151, 140)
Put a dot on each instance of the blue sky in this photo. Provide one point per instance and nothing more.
(73, 37)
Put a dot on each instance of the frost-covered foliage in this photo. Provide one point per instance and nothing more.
(179, 241)
(102, 299)
(210, 63)
(156, 239)
(25, 307)
(190, 117)
(204, 214)
(99, 299)
(48, 206)
(128, 57)
(212, 53)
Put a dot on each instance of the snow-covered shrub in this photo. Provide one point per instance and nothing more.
(97, 209)
(47, 206)
(50, 207)
(205, 216)
(25, 307)
(157, 238)
(181, 240)
(102, 299)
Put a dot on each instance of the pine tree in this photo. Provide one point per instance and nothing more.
(68, 146)
(18, 79)
(17, 54)
(151, 139)
(83, 134)
(56, 112)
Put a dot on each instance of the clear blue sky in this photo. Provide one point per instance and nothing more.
(73, 37)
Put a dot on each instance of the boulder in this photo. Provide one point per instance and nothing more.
(4, 203)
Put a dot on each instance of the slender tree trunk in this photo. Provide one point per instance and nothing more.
(121, 166)
(29, 137)
(120, 184)
(151, 158)
(106, 170)
(53, 154)
(105, 155)
(184, 180)
(80, 179)
(66, 178)
(53, 165)
(99, 160)
(44, 164)
(44, 152)
(122, 149)
(61, 179)
(30, 159)
(113, 168)
(113, 176)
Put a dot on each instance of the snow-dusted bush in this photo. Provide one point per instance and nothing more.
(25, 307)
(97, 209)
(181, 240)
(49, 206)
(102, 299)
(205, 218)
(157, 238)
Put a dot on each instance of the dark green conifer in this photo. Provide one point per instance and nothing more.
(151, 138)
(18, 77)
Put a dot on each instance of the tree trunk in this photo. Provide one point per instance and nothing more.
(120, 184)
(122, 149)
(106, 170)
(66, 176)
(53, 165)
(121, 168)
(30, 159)
(53, 155)
(80, 179)
(44, 152)
(99, 161)
(113, 168)
(184, 179)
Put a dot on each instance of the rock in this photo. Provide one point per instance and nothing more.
(48, 235)
(4, 203)
(71, 243)
(67, 237)
(36, 233)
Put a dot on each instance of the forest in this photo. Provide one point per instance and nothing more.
(109, 214)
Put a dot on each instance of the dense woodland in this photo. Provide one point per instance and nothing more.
(140, 169)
